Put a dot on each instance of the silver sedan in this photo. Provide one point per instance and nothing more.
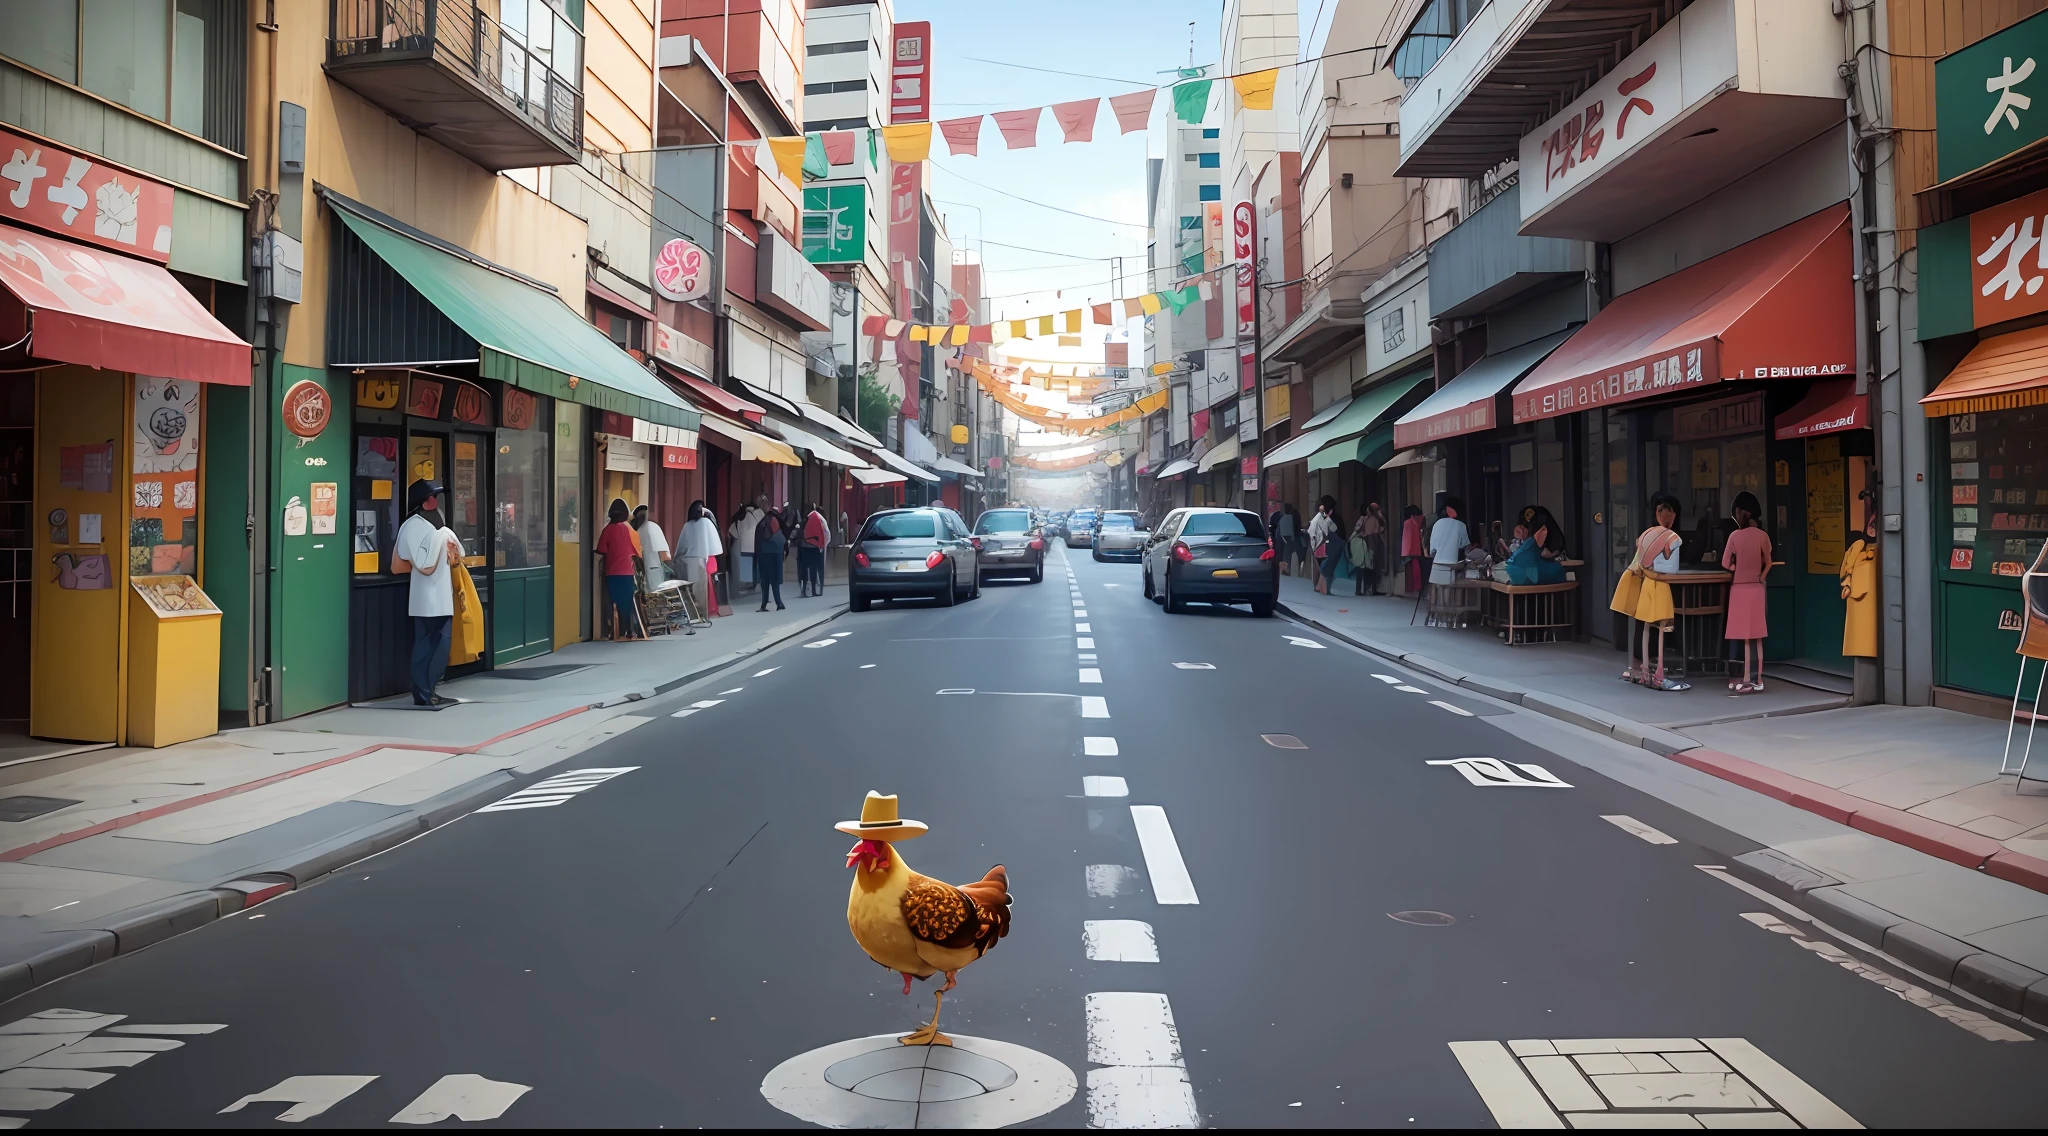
(1122, 536)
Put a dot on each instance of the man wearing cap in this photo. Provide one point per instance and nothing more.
(424, 548)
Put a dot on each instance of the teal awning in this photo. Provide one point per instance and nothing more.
(1371, 449)
(525, 336)
(1340, 437)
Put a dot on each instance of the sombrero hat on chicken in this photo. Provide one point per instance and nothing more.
(879, 821)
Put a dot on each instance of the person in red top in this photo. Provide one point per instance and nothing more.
(810, 554)
(621, 554)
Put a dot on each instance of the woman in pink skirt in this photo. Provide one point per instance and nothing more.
(1748, 556)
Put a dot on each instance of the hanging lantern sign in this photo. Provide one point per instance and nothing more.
(682, 271)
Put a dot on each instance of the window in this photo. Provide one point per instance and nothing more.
(1190, 224)
(840, 87)
(523, 530)
(1211, 160)
(42, 34)
(820, 125)
(1212, 193)
(835, 48)
(1224, 524)
(1004, 521)
(1213, 132)
(1430, 36)
(125, 57)
(176, 61)
(900, 526)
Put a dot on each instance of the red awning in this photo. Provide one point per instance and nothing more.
(84, 305)
(714, 398)
(1830, 407)
(1780, 306)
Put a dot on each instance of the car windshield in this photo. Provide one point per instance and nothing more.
(1224, 524)
(1119, 521)
(1003, 521)
(892, 526)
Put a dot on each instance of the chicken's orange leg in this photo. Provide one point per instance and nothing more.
(928, 1034)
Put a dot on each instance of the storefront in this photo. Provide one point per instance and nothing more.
(467, 373)
(104, 373)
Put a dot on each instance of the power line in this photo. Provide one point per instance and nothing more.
(1054, 71)
(1042, 205)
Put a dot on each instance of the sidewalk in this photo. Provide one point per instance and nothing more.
(118, 848)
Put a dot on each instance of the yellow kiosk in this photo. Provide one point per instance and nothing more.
(173, 661)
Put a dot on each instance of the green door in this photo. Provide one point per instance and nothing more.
(522, 613)
(311, 534)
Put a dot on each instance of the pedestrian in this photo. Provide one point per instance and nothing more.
(423, 548)
(1368, 550)
(810, 557)
(1448, 540)
(1747, 555)
(700, 545)
(744, 524)
(621, 572)
(654, 549)
(1411, 546)
(769, 545)
(1644, 597)
(1287, 532)
(1323, 546)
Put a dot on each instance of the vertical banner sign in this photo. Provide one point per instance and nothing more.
(905, 193)
(910, 83)
(1241, 218)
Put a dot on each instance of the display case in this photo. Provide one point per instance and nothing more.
(173, 661)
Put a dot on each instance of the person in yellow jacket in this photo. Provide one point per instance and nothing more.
(1859, 590)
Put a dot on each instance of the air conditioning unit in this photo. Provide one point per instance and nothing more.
(281, 267)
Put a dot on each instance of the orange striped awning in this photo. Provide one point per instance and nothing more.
(2002, 373)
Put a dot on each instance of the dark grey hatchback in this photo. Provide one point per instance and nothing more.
(1219, 556)
(913, 553)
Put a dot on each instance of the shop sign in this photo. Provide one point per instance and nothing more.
(1696, 365)
(622, 455)
(1247, 418)
(1451, 423)
(1248, 466)
(423, 397)
(673, 347)
(307, 408)
(66, 193)
(472, 405)
(682, 271)
(2009, 260)
(906, 189)
(1243, 222)
(654, 433)
(791, 285)
(1277, 399)
(517, 409)
(910, 81)
(1987, 98)
(1398, 326)
(1617, 115)
(1743, 415)
(836, 223)
(678, 457)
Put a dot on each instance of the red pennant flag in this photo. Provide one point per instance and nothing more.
(1077, 119)
(1019, 127)
(839, 147)
(873, 324)
(1134, 110)
(1101, 313)
(963, 135)
(980, 333)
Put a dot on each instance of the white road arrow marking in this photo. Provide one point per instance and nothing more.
(1302, 642)
(1488, 772)
(464, 1096)
(308, 1096)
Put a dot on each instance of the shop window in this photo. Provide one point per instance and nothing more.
(42, 34)
(124, 56)
(1996, 515)
(569, 435)
(523, 530)
(178, 63)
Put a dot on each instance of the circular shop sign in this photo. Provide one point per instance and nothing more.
(681, 271)
(307, 409)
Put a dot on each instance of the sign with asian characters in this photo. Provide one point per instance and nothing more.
(910, 75)
(1243, 222)
(1635, 99)
(2009, 260)
(1987, 98)
(69, 194)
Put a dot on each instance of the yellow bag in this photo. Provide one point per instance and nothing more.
(466, 632)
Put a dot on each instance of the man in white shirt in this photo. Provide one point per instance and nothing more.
(1448, 540)
(743, 539)
(654, 549)
(423, 549)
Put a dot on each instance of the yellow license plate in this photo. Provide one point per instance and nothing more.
(1225, 573)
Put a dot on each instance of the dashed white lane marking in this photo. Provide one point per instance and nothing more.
(1084, 643)
(823, 643)
(1634, 827)
(464, 1096)
(1098, 747)
(1146, 1082)
(1492, 772)
(1980, 1024)
(1090, 674)
(1118, 940)
(1080, 613)
(557, 789)
(1458, 710)
(835, 635)
(867, 666)
(767, 672)
(1301, 641)
(734, 690)
(1087, 656)
(1094, 706)
(1104, 787)
(1107, 881)
(1406, 689)
(706, 703)
(684, 713)
(1390, 680)
(53, 1055)
(1081, 629)
(308, 1096)
(1195, 666)
(1170, 880)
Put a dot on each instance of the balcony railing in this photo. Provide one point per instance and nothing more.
(534, 76)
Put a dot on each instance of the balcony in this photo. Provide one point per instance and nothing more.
(501, 95)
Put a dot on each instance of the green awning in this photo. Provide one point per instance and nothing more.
(1341, 436)
(1371, 450)
(525, 336)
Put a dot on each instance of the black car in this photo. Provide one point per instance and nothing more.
(1219, 556)
(1009, 545)
(913, 553)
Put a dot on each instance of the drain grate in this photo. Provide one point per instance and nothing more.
(1284, 741)
(1423, 918)
(29, 808)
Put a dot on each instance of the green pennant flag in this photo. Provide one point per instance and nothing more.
(874, 157)
(1191, 100)
(815, 164)
(1179, 298)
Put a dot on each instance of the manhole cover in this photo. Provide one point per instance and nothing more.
(1284, 741)
(1423, 918)
(29, 808)
(873, 1082)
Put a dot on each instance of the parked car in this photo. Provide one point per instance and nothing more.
(1121, 535)
(1007, 544)
(1081, 529)
(1206, 555)
(923, 552)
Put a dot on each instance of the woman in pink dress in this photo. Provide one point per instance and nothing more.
(1748, 557)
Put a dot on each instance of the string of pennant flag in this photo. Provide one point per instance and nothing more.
(999, 388)
(1068, 322)
(812, 156)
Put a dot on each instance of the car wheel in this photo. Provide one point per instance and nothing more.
(856, 601)
(1146, 571)
(948, 595)
(1097, 554)
(1173, 606)
(1038, 573)
(1262, 609)
(974, 593)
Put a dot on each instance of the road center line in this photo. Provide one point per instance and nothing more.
(1081, 628)
(1118, 940)
(1084, 644)
(1458, 710)
(1094, 706)
(1098, 747)
(1634, 827)
(1170, 880)
(1090, 674)
(1100, 786)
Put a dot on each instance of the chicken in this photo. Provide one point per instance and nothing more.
(911, 923)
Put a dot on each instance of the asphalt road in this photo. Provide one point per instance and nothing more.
(645, 952)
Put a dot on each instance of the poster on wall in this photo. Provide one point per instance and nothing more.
(163, 526)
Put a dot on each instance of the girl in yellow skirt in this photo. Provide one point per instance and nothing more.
(1646, 599)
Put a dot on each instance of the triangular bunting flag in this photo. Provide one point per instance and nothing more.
(816, 164)
(1100, 313)
(874, 159)
(873, 325)
(959, 336)
(789, 157)
(1178, 299)
(1191, 100)
(918, 333)
(963, 135)
(1045, 325)
(839, 147)
(1073, 320)
(1256, 89)
(1150, 303)
(981, 333)
(1208, 289)
(1135, 307)
(1070, 341)
(908, 142)
(1133, 111)
(1076, 119)
(1019, 127)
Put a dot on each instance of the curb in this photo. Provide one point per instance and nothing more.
(795, 631)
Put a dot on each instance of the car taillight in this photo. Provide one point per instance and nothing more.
(976, 542)
(861, 558)
(935, 559)
(1037, 545)
(1181, 551)
(1268, 554)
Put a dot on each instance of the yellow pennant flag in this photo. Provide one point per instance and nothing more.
(912, 141)
(1256, 89)
(789, 157)
(918, 333)
(959, 336)
(1073, 321)
(1045, 325)
(1149, 302)
(1020, 329)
